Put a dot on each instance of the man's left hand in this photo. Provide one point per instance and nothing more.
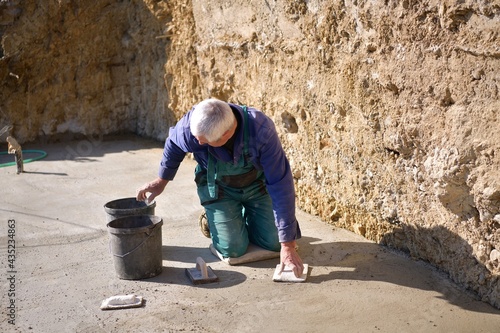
(290, 258)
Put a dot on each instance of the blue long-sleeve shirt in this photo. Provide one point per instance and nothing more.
(266, 154)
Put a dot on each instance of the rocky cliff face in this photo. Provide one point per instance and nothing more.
(82, 67)
(388, 110)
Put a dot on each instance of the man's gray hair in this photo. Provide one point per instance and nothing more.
(211, 118)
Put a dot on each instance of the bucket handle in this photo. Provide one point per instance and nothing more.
(149, 232)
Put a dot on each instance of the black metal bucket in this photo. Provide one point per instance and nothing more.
(128, 206)
(135, 243)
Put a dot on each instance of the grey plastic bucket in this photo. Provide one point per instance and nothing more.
(126, 207)
(135, 243)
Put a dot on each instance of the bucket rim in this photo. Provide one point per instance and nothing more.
(111, 210)
(157, 222)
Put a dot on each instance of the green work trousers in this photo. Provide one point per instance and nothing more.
(239, 216)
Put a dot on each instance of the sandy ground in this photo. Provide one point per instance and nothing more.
(63, 269)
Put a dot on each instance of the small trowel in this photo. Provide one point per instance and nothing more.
(201, 273)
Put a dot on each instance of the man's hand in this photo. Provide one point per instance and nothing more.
(155, 187)
(290, 258)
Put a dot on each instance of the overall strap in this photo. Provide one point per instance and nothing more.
(211, 176)
(245, 131)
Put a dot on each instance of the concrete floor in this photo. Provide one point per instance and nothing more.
(62, 268)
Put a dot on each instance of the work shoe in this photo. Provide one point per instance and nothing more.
(205, 229)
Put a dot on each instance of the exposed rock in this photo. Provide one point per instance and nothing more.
(388, 109)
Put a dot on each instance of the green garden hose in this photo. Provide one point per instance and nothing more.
(30, 151)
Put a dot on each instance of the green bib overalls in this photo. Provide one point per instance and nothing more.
(238, 207)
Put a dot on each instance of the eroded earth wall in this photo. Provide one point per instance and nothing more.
(82, 67)
(388, 110)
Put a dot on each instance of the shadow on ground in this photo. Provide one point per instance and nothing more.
(177, 275)
(366, 261)
(82, 149)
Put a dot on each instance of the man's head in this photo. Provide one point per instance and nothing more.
(213, 122)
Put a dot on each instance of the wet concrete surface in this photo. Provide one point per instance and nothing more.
(62, 268)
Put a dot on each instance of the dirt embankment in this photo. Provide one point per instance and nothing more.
(388, 110)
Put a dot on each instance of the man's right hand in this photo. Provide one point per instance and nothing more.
(155, 188)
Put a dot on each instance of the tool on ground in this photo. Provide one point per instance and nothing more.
(201, 273)
(122, 302)
(285, 274)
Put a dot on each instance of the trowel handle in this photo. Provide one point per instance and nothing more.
(202, 267)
